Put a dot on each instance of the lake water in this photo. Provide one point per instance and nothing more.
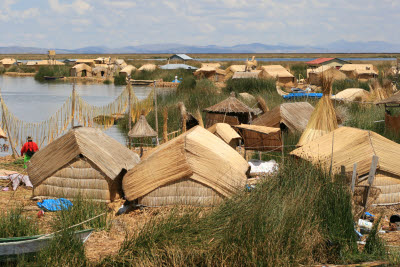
(32, 101)
(279, 59)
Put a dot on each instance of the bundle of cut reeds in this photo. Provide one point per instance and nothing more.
(323, 119)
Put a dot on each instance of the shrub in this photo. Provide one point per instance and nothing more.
(14, 224)
(52, 71)
(254, 86)
(340, 85)
(119, 79)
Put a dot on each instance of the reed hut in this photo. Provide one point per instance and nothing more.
(210, 72)
(8, 62)
(346, 146)
(148, 67)
(231, 111)
(232, 69)
(81, 70)
(323, 119)
(360, 71)
(292, 117)
(100, 71)
(196, 168)
(316, 76)
(352, 94)
(226, 133)
(279, 73)
(84, 162)
(260, 138)
(127, 71)
(254, 74)
(392, 121)
(141, 130)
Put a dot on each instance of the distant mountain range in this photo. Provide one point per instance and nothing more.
(341, 46)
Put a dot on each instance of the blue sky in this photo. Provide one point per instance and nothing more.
(79, 23)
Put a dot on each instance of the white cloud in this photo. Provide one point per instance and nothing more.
(79, 6)
(119, 4)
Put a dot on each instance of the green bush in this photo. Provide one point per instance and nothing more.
(52, 71)
(340, 85)
(107, 82)
(119, 79)
(253, 86)
(14, 224)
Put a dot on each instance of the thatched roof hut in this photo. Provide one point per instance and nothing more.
(234, 68)
(352, 94)
(7, 62)
(230, 110)
(90, 62)
(278, 72)
(210, 65)
(393, 100)
(100, 71)
(226, 133)
(81, 70)
(210, 72)
(142, 129)
(84, 162)
(291, 116)
(127, 70)
(360, 71)
(260, 138)
(148, 67)
(316, 76)
(255, 74)
(346, 146)
(195, 168)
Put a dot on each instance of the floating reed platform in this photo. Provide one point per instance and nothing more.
(31, 74)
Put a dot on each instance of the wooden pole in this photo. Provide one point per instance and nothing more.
(156, 111)
(73, 106)
(371, 177)
(353, 178)
(283, 149)
(14, 152)
(130, 114)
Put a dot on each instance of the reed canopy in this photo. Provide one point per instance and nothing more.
(84, 162)
(142, 129)
(260, 138)
(346, 146)
(195, 168)
(231, 111)
(287, 116)
(226, 133)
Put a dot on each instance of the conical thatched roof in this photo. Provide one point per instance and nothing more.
(230, 105)
(197, 155)
(104, 153)
(394, 99)
(142, 129)
(3, 134)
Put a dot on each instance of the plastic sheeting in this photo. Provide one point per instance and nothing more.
(259, 166)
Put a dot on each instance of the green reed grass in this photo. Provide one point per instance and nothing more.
(119, 79)
(252, 86)
(340, 85)
(52, 71)
(14, 223)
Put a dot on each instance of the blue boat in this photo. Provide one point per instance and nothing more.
(303, 95)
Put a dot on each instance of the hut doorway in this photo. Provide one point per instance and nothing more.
(102, 73)
(84, 73)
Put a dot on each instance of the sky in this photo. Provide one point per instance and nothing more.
(71, 24)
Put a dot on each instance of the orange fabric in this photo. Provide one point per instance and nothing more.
(29, 146)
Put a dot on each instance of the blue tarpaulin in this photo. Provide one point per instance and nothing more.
(306, 95)
(55, 204)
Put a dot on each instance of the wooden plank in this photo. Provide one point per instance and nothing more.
(353, 177)
(372, 170)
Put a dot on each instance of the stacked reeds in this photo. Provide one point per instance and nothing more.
(323, 119)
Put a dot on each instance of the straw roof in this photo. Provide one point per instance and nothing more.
(98, 69)
(32, 63)
(8, 61)
(258, 128)
(103, 152)
(210, 65)
(352, 94)
(294, 116)
(50, 62)
(81, 67)
(148, 67)
(394, 99)
(85, 60)
(230, 105)
(260, 138)
(276, 71)
(197, 155)
(128, 70)
(247, 75)
(209, 69)
(236, 68)
(351, 145)
(225, 132)
(359, 68)
(142, 129)
(247, 96)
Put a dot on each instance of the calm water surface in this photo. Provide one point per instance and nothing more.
(32, 101)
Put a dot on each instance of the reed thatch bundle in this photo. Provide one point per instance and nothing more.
(142, 129)
(69, 165)
(165, 125)
(380, 91)
(213, 168)
(199, 118)
(346, 146)
(323, 119)
(226, 133)
(262, 104)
